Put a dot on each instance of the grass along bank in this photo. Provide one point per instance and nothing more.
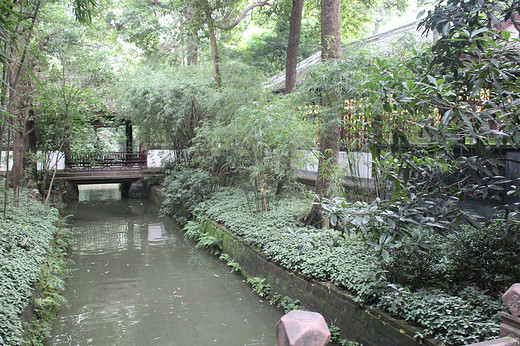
(449, 311)
(33, 248)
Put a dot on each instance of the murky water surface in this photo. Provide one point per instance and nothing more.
(137, 281)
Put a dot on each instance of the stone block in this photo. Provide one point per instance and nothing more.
(512, 300)
(302, 328)
(510, 325)
(507, 341)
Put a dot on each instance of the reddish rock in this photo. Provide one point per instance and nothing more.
(302, 328)
(512, 300)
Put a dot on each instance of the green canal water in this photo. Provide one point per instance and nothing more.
(137, 281)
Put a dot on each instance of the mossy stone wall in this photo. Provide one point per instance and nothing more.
(362, 324)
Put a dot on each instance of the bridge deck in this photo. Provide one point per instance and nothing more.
(109, 175)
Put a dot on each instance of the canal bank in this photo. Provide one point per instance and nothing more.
(363, 324)
(33, 249)
(325, 262)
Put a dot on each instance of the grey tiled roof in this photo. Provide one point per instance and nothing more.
(277, 82)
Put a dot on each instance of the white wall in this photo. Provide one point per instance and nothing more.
(49, 160)
(157, 158)
(356, 164)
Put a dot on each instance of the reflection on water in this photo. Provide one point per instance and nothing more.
(156, 234)
(138, 282)
(99, 192)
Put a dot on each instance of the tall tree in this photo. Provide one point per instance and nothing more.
(216, 16)
(19, 81)
(329, 141)
(291, 62)
(21, 88)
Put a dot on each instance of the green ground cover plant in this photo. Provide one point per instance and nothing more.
(26, 238)
(184, 188)
(50, 286)
(455, 314)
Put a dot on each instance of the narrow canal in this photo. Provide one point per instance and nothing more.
(137, 281)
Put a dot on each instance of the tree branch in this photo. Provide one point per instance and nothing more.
(222, 24)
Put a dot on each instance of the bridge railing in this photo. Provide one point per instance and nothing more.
(114, 161)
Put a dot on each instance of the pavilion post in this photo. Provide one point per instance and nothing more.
(129, 137)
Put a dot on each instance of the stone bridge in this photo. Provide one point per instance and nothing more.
(131, 170)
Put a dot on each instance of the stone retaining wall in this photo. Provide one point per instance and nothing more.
(364, 325)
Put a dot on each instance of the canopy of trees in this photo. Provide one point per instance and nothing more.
(66, 64)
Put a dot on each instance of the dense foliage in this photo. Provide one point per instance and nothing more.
(166, 104)
(454, 108)
(190, 78)
(184, 189)
(26, 235)
(51, 286)
(479, 258)
(456, 316)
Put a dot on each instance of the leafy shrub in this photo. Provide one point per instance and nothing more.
(482, 258)
(419, 266)
(259, 286)
(347, 261)
(487, 257)
(25, 239)
(192, 230)
(184, 188)
(234, 265)
(289, 304)
(387, 224)
(209, 242)
(51, 285)
(465, 318)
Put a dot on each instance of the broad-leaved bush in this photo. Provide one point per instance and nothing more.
(346, 260)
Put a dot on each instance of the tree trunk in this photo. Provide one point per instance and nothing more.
(18, 155)
(193, 55)
(214, 57)
(291, 61)
(330, 29)
(376, 26)
(21, 89)
(20, 104)
(327, 161)
(330, 137)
